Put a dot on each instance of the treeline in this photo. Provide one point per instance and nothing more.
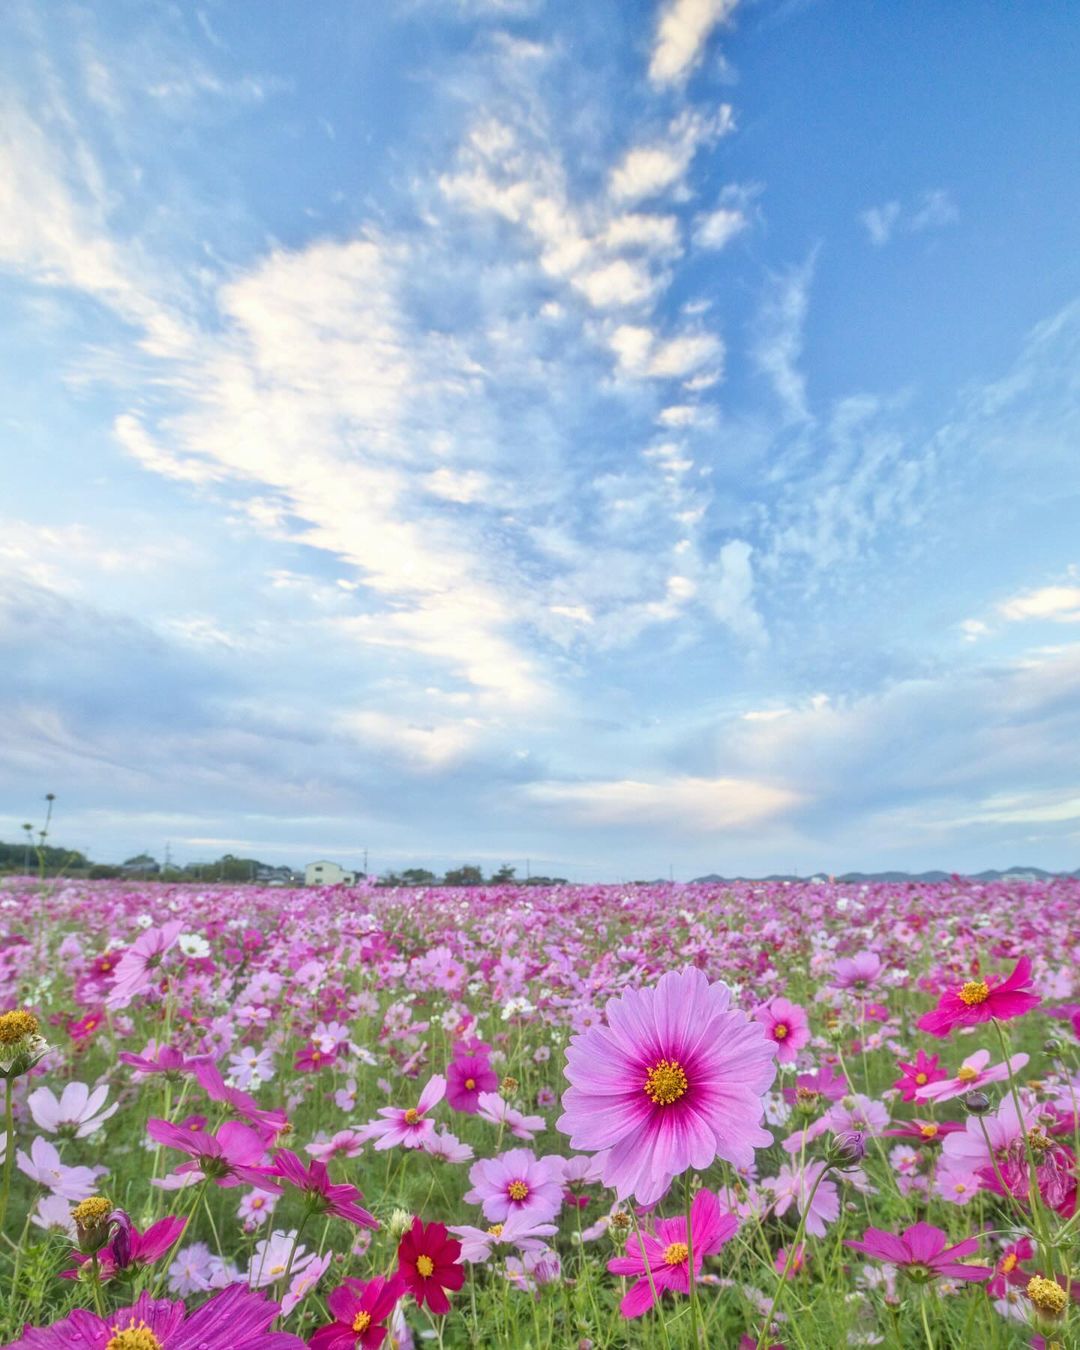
(466, 876)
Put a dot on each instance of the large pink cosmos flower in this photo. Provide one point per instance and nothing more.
(787, 1024)
(675, 1080)
(134, 973)
(924, 1069)
(515, 1180)
(234, 1319)
(410, 1127)
(922, 1252)
(232, 1157)
(858, 972)
(979, 1000)
(667, 1255)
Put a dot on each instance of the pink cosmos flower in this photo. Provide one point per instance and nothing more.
(521, 1230)
(301, 1285)
(323, 1195)
(134, 972)
(346, 1143)
(971, 1074)
(232, 1157)
(923, 1071)
(448, 1148)
(515, 1181)
(411, 1128)
(667, 1255)
(234, 1319)
(978, 1001)
(794, 1185)
(675, 1080)
(858, 972)
(77, 1112)
(466, 1078)
(922, 1252)
(159, 1059)
(490, 1106)
(1007, 1271)
(787, 1024)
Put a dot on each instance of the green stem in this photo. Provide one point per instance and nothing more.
(9, 1153)
(792, 1250)
(649, 1276)
(695, 1311)
(925, 1322)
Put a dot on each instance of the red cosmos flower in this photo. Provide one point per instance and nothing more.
(980, 1000)
(360, 1311)
(428, 1263)
(324, 1196)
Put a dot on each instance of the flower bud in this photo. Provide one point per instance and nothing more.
(978, 1103)
(847, 1150)
(400, 1223)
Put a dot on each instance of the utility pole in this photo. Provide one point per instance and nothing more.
(365, 862)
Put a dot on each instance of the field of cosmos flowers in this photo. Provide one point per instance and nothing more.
(743, 1116)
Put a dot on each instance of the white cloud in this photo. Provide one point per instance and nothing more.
(686, 804)
(932, 210)
(729, 591)
(779, 338)
(642, 354)
(1059, 604)
(647, 170)
(717, 228)
(880, 222)
(681, 35)
(432, 747)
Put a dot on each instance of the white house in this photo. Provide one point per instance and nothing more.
(327, 874)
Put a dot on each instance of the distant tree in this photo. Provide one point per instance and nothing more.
(140, 860)
(504, 875)
(464, 876)
(417, 876)
(103, 872)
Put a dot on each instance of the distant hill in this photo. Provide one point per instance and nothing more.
(866, 878)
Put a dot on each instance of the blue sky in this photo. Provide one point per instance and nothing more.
(624, 436)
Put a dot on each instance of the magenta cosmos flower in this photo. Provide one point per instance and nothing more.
(466, 1078)
(515, 1180)
(667, 1255)
(360, 1311)
(978, 1001)
(921, 1251)
(675, 1080)
(323, 1195)
(787, 1024)
(235, 1319)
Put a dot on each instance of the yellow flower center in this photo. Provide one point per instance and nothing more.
(666, 1082)
(412, 1115)
(929, 1130)
(89, 1213)
(966, 1074)
(920, 1079)
(496, 1230)
(676, 1254)
(470, 1083)
(1039, 1140)
(133, 1338)
(780, 1031)
(424, 1265)
(17, 1025)
(361, 1321)
(1047, 1296)
(975, 991)
(517, 1190)
(1009, 1263)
